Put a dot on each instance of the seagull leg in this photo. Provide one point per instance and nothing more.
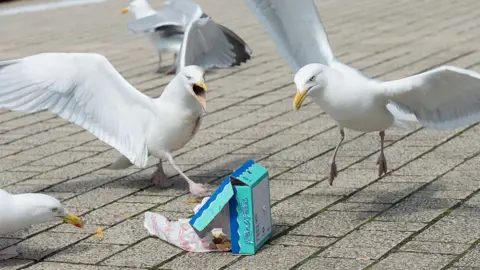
(8, 253)
(159, 177)
(382, 161)
(173, 69)
(333, 165)
(159, 70)
(195, 188)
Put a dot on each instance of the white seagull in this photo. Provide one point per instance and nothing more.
(88, 91)
(442, 98)
(166, 28)
(19, 211)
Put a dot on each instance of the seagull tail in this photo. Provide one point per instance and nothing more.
(240, 47)
(402, 119)
(121, 163)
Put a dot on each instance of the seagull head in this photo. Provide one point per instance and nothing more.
(310, 79)
(40, 208)
(139, 8)
(193, 79)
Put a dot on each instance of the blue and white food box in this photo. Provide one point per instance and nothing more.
(244, 196)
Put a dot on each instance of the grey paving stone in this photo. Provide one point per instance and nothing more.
(381, 192)
(147, 253)
(274, 256)
(471, 259)
(359, 207)
(44, 244)
(457, 229)
(124, 233)
(302, 205)
(334, 263)
(418, 208)
(333, 223)
(215, 260)
(365, 244)
(393, 226)
(65, 266)
(413, 261)
(116, 212)
(13, 264)
(281, 189)
(303, 240)
(434, 247)
(86, 253)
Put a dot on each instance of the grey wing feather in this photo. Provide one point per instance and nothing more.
(443, 98)
(296, 29)
(206, 45)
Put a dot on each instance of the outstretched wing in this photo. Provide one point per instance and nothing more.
(443, 98)
(296, 29)
(206, 45)
(84, 89)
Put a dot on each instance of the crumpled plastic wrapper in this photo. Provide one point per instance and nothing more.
(181, 234)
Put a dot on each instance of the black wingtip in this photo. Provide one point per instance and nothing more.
(243, 53)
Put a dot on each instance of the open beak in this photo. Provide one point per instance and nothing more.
(200, 92)
(299, 98)
(74, 220)
(125, 10)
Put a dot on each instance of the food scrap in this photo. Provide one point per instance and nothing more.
(194, 201)
(221, 241)
(99, 233)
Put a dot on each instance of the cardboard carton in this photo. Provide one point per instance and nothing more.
(244, 196)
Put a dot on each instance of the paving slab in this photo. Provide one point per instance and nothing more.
(423, 215)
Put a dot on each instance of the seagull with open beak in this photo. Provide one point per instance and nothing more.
(88, 91)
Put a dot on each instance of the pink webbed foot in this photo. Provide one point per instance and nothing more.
(197, 189)
(160, 179)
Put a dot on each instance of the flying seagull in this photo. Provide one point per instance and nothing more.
(22, 210)
(87, 90)
(166, 28)
(443, 98)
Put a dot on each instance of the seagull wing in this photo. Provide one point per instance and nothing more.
(297, 30)
(189, 9)
(206, 45)
(161, 20)
(86, 90)
(442, 98)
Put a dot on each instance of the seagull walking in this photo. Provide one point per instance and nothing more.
(22, 210)
(443, 98)
(166, 28)
(87, 90)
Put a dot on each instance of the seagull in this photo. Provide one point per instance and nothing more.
(22, 210)
(85, 88)
(442, 98)
(166, 28)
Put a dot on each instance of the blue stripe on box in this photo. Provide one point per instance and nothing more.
(234, 233)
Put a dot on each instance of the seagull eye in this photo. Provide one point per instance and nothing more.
(54, 209)
(188, 77)
(312, 79)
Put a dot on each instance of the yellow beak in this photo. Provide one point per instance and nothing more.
(74, 220)
(299, 98)
(125, 10)
(202, 99)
